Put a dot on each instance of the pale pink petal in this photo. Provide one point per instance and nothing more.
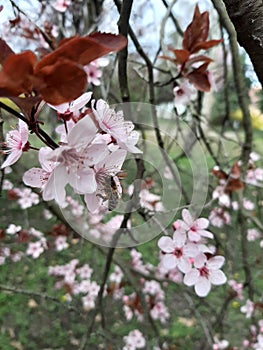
(179, 239)
(187, 217)
(194, 236)
(95, 153)
(184, 265)
(202, 223)
(113, 162)
(46, 164)
(200, 260)
(92, 201)
(191, 250)
(166, 244)
(62, 108)
(182, 225)
(55, 187)
(80, 101)
(202, 287)
(205, 233)
(217, 277)
(169, 261)
(191, 277)
(23, 129)
(84, 181)
(129, 142)
(35, 177)
(82, 133)
(216, 262)
(12, 158)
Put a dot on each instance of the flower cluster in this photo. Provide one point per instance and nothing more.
(76, 280)
(154, 297)
(89, 157)
(134, 340)
(188, 253)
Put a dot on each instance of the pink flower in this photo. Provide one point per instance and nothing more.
(220, 344)
(150, 201)
(252, 234)
(237, 287)
(183, 93)
(61, 5)
(219, 217)
(35, 249)
(114, 124)
(177, 252)
(248, 308)
(17, 142)
(94, 72)
(74, 161)
(205, 273)
(134, 340)
(61, 243)
(195, 228)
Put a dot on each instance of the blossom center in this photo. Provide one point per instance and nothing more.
(204, 272)
(178, 252)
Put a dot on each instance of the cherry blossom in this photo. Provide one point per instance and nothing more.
(205, 273)
(12, 229)
(72, 160)
(134, 340)
(253, 234)
(17, 142)
(176, 252)
(114, 124)
(248, 308)
(94, 72)
(237, 287)
(219, 217)
(35, 249)
(61, 243)
(27, 198)
(195, 228)
(220, 344)
(182, 94)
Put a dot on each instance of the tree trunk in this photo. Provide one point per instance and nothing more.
(247, 17)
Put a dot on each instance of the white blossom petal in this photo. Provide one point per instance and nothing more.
(202, 287)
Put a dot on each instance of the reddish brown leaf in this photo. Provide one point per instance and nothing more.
(84, 50)
(231, 181)
(26, 104)
(206, 45)
(5, 51)
(64, 81)
(197, 30)
(199, 58)
(235, 171)
(181, 55)
(200, 80)
(168, 58)
(17, 74)
(220, 174)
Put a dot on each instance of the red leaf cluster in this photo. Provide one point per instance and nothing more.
(231, 181)
(59, 76)
(194, 40)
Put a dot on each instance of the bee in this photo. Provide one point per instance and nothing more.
(111, 190)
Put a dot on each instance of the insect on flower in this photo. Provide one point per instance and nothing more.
(112, 189)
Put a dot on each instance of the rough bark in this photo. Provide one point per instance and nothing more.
(247, 17)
